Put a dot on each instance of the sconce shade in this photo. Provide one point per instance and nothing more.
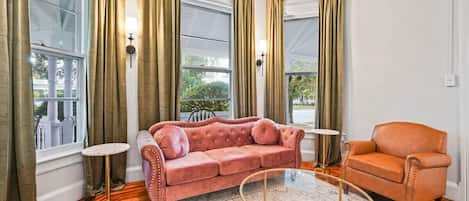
(131, 25)
(262, 46)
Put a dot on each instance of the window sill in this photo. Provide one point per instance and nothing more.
(58, 157)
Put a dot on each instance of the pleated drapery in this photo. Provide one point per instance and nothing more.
(17, 152)
(245, 58)
(107, 105)
(275, 100)
(330, 76)
(158, 61)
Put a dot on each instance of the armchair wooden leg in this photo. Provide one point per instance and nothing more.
(439, 199)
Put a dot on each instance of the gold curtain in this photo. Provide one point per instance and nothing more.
(17, 152)
(245, 58)
(275, 63)
(330, 75)
(107, 106)
(158, 61)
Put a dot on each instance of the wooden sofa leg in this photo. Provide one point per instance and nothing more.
(346, 189)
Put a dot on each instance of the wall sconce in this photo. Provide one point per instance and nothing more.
(261, 48)
(131, 26)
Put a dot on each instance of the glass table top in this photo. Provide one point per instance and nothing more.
(285, 184)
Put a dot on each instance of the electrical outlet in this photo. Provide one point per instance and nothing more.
(450, 80)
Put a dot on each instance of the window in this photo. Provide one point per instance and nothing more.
(301, 62)
(205, 59)
(58, 71)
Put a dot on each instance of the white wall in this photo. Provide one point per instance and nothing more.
(134, 170)
(462, 59)
(397, 52)
(260, 17)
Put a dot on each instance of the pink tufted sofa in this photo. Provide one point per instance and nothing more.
(221, 154)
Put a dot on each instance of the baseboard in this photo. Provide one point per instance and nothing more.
(307, 155)
(452, 190)
(134, 173)
(73, 191)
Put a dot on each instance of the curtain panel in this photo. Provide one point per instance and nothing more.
(245, 58)
(275, 100)
(107, 103)
(18, 154)
(158, 61)
(329, 111)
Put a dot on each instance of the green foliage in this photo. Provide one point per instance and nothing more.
(39, 67)
(301, 87)
(204, 92)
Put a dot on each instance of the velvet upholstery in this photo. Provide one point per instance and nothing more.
(272, 155)
(193, 167)
(219, 135)
(402, 161)
(265, 132)
(224, 157)
(172, 141)
(232, 160)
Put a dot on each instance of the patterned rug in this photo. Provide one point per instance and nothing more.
(289, 186)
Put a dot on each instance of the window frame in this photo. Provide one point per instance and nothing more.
(49, 155)
(296, 73)
(225, 10)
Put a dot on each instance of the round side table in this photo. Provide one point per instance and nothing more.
(106, 150)
(324, 134)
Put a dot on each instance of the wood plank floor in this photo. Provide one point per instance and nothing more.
(136, 191)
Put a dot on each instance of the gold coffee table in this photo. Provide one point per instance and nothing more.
(285, 184)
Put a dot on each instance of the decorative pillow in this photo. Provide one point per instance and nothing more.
(172, 141)
(265, 132)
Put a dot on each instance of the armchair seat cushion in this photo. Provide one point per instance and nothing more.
(192, 167)
(272, 155)
(378, 164)
(232, 160)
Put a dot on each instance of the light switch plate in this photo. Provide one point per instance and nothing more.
(450, 80)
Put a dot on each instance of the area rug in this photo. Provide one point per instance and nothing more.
(303, 187)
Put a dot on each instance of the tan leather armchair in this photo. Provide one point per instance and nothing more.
(403, 161)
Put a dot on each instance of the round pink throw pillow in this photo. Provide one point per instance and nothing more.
(265, 132)
(172, 141)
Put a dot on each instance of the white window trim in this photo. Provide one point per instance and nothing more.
(228, 10)
(69, 153)
(62, 151)
(298, 125)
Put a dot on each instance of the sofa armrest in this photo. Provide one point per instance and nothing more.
(359, 147)
(428, 160)
(153, 166)
(291, 138)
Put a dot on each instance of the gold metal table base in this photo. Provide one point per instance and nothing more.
(108, 177)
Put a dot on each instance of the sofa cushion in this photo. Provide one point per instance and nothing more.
(232, 160)
(192, 167)
(265, 132)
(272, 155)
(172, 141)
(382, 165)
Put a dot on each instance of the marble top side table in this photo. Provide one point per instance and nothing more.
(324, 133)
(106, 150)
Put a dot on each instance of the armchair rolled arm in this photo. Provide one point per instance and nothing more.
(152, 165)
(428, 160)
(359, 147)
(291, 138)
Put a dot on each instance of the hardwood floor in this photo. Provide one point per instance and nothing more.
(136, 191)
